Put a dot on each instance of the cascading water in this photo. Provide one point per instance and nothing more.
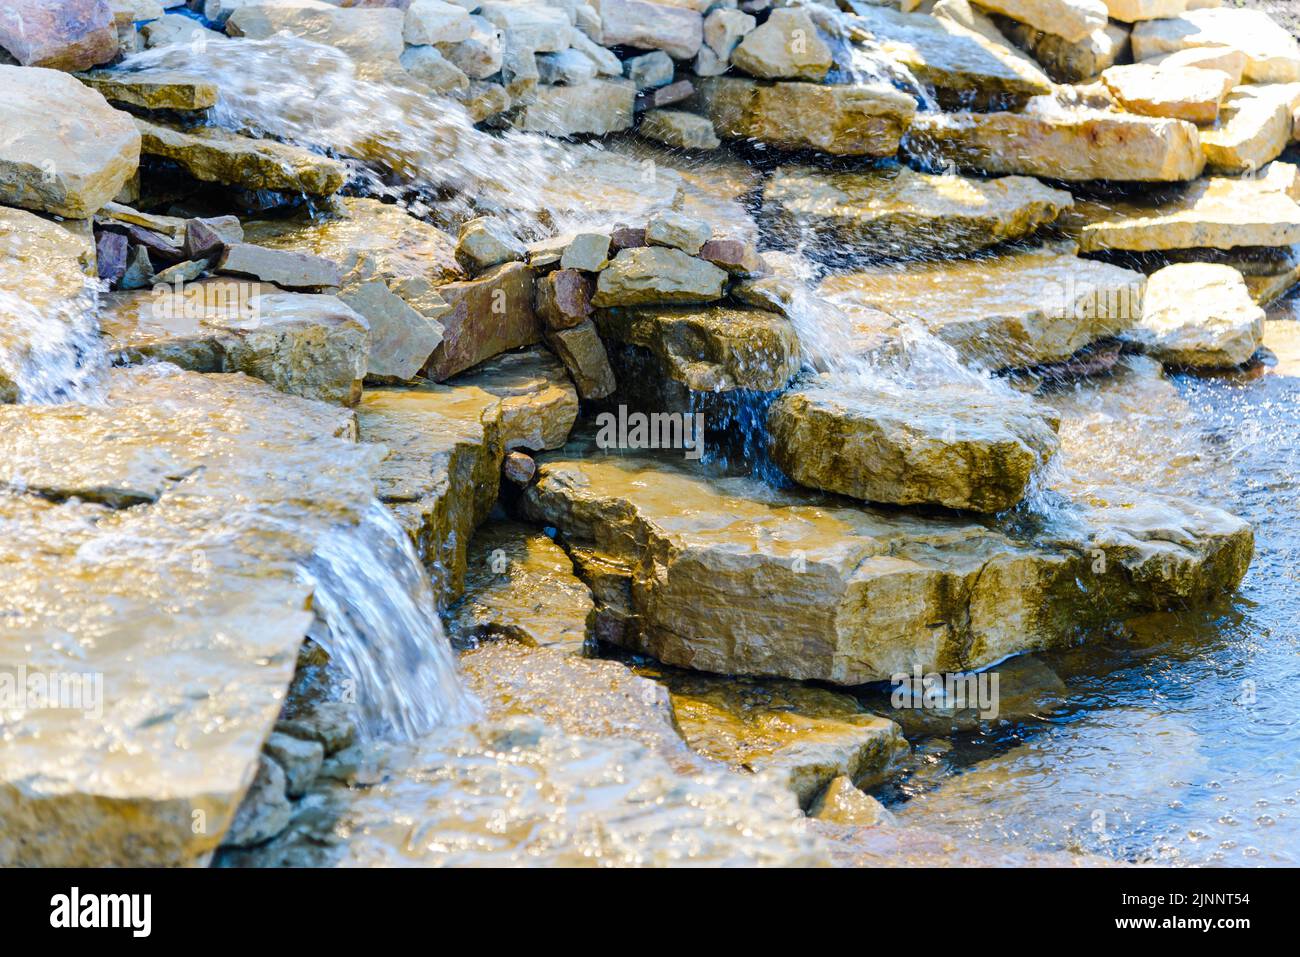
(52, 353)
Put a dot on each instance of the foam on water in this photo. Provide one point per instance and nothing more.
(52, 354)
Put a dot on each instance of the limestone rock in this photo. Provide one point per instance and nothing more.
(1134, 11)
(489, 315)
(536, 27)
(570, 67)
(1225, 59)
(680, 129)
(69, 168)
(842, 120)
(216, 155)
(678, 31)
(520, 585)
(159, 90)
(401, 339)
(1074, 145)
(843, 803)
(174, 28)
(427, 64)
(65, 35)
(1199, 315)
(786, 46)
(737, 258)
(564, 298)
(289, 270)
(586, 251)
(649, 70)
(583, 354)
(899, 212)
(518, 467)
(676, 231)
(1183, 93)
(480, 56)
(724, 27)
(1070, 61)
(1015, 310)
(598, 106)
(371, 37)
(265, 810)
(299, 760)
(960, 447)
(1272, 54)
(537, 402)
(433, 21)
(657, 275)
(1255, 127)
(486, 242)
(1072, 19)
(310, 346)
(730, 575)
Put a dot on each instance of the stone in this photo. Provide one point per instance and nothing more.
(786, 46)
(289, 270)
(482, 101)
(490, 314)
(1224, 59)
(299, 760)
(110, 256)
(530, 26)
(520, 586)
(481, 55)
(583, 354)
(724, 27)
(1185, 93)
(898, 212)
(727, 574)
(70, 168)
(161, 90)
(606, 63)
(564, 298)
(657, 275)
(66, 35)
(677, 31)
(1272, 54)
(1073, 20)
(401, 338)
(674, 230)
(139, 270)
(174, 28)
(801, 736)
(1016, 310)
(569, 67)
(598, 106)
(432, 21)
(843, 803)
(215, 155)
(655, 99)
(963, 66)
(680, 129)
(1216, 212)
(711, 348)
(303, 345)
(207, 238)
(1073, 145)
(427, 64)
(373, 38)
(649, 69)
(518, 467)
(537, 404)
(735, 257)
(842, 120)
(1255, 127)
(182, 272)
(212, 490)
(1068, 61)
(959, 446)
(586, 251)
(265, 810)
(486, 242)
(1199, 315)
(1134, 11)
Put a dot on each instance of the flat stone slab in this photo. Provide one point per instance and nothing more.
(1255, 127)
(1272, 54)
(903, 213)
(67, 35)
(1067, 61)
(1009, 311)
(1072, 19)
(1055, 143)
(960, 446)
(1178, 93)
(63, 149)
(156, 90)
(657, 274)
(230, 486)
(1199, 315)
(730, 575)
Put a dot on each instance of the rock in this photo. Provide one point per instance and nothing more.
(586, 251)
(486, 242)
(570, 67)
(1177, 93)
(680, 129)
(725, 27)
(843, 120)
(1075, 145)
(843, 803)
(676, 231)
(1272, 54)
(1068, 61)
(65, 35)
(212, 491)
(1199, 315)
(899, 212)
(214, 155)
(606, 63)
(583, 354)
(428, 65)
(208, 238)
(299, 760)
(1134, 11)
(265, 810)
(432, 21)
(712, 348)
(536, 27)
(963, 66)
(1074, 20)
(286, 269)
(656, 99)
(1215, 213)
(599, 106)
(309, 346)
(1255, 126)
(649, 69)
(153, 91)
(678, 31)
(110, 256)
(481, 55)
(484, 100)
(518, 468)
(174, 28)
(139, 270)
(786, 46)
(960, 447)
(520, 585)
(801, 736)
(401, 339)
(537, 402)
(489, 315)
(735, 257)
(373, 38)
(182, 272)
(564, 298)
(657, 275)
(730, 575)
(1011, 311)
(71, 168)
(1224, 59)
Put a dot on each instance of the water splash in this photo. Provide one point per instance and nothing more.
(52, 354)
